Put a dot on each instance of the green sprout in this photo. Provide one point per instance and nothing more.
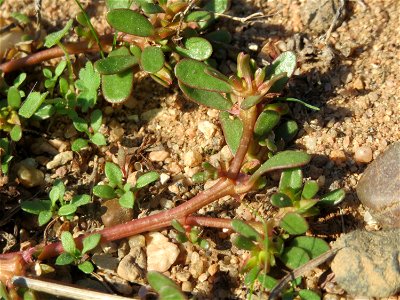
(117, 187)
(72, 255)
(56, 206)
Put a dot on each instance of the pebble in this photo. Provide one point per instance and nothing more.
(213, 269)
(338, 156)
(164, 178)
(378, 188)
(196, 267)
(128, 268)
(29, 176)
(365, 266)
(363, 154)
(158, 156)
(207, 128)
(105, 261)
(187, 286)
(60, 159)
(41, 146)
(114, 213)
(161, 253)
(183, 276)
(192, 158)
(137, 241)
(119, 284)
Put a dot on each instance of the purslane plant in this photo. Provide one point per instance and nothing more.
(166, 40)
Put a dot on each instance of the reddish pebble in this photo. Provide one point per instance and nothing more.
(363, 154)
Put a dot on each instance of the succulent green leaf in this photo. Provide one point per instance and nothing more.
(167, 289)
(55, 37)
(310, 189)
(129, 21)
(65, 259)
(333, 198)
(294, 257)
(286, 131)
(291, 179)
(312, 245)
(178, 226)
(104, 192)
(152, 59)
(233, 130)
(219, 36)
(113, 173)
(146, 179)
(68, 242)
(90, 242)
(281, 200)
(267, 281)
(98, 139)
(80, 124)
(245, 230)
(308, 295)
(294, 224)
(31, 104)
(67, 209)
(45, 111)
(117, 87)
(13, 97)
(79, 200)
(44, 217)
(16, 133)
(250, 101)
(96, 118)
(136, 51)
(207, 98)
(127, 200)
(195, 48)
(36, 206)
(86, 267)
(201, 17)
(115, 64)
(282, 160)
(244, 243)
(266, 121)
(149, 7)
(216, 6)
(19, 79)
(193, 74)
(284, 63)
(113, 4)
(79, 144)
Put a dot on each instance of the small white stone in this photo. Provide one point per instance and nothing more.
(253, 47)
(164, 178)
(160, 155)
(192, 158)
(60, 160)
(207, 128)
(161, 253)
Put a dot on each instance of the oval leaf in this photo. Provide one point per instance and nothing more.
(113, 173)
(196, 48)
(127, 200)
(159, 281)
(152, 59)
(36, 206)
(193, 74)
(291, 179)
(13, 97)
(281, 200)
(233, 130)
(129, 21)
(294, 257)
(117, 87)
(31, 104)
(146, 179)
(294, 224)
(282, 160)
(206, 98)
(16, 133)
(244, 243)
(115, 64)
(44, 217)
(313, 246)
(310, 189)
(286, 131)
(68, 242)
(104, 191)
(245, 230)
(55, 37)
(266, 121)
(333, 198)
(90, 242)
(67, 209)
(284, 63)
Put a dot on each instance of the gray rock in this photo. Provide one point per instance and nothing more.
(129, 270)
(378, 188)
(318, 15)
(369, 263)
(105, 261)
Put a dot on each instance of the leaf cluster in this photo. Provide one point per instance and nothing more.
(118, 188)
(191, 234)
(56, 206)
(72, 255)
